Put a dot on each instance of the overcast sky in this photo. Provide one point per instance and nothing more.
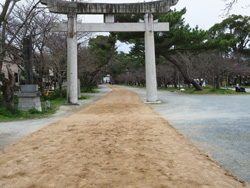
(204, 13)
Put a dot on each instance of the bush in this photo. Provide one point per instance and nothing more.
(1, 100)
(90, 89)
(34, 111)
(6, 113)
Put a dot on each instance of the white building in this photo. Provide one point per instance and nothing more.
(13, 68)
(107, 79)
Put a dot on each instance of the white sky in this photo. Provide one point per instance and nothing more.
(204, 13)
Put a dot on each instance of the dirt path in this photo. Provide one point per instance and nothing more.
(116, 142)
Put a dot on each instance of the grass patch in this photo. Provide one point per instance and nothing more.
(55, 102)
(84, 97)
(90, 91)
(7, 116)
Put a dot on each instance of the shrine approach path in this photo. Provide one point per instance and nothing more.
(117, 142)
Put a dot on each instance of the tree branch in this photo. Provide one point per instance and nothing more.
(4, 12)
(20, 27)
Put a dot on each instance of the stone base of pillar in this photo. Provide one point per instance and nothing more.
(156, 102)
(29, 98)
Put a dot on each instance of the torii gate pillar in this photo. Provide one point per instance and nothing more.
(72, 95)
(151, 83)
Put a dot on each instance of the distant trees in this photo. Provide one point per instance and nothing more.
(180, 38)
(230, 39)
(94, 60)
(187, 54)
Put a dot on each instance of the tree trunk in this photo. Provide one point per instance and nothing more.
(166, 85)
(185, 75)
(8, 92)
(217, 82)
(174, 79)
(40, 78)
(60, 87)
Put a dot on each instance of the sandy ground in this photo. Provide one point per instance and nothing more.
(116, 142)
(13, 131)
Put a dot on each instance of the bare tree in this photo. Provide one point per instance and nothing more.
(165, 74)
(181, 61)
(7, 86)
(57, 45)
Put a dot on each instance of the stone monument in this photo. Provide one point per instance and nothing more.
(29, 96)
(148, 26)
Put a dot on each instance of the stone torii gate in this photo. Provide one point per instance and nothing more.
(149, 26)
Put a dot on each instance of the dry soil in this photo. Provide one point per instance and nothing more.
(117, 142)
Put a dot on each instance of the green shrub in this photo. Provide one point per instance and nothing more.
(6, 113)
(34, 111)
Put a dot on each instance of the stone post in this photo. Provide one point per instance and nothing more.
(72, 94)
(28, 60)
(151, 84)
(29, 97)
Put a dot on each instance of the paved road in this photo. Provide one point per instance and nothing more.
(13, 131)
(218, 124)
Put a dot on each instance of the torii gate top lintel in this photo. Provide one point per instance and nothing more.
(64, 7)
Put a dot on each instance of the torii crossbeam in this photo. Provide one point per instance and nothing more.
(109, 10)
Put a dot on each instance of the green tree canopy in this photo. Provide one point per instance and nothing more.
(180, 37)
(231, 35)
(103, 48)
